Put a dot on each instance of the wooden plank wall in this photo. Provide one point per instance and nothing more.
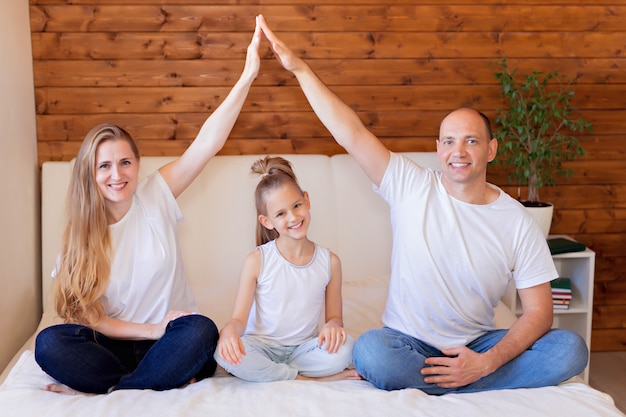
(159, 67)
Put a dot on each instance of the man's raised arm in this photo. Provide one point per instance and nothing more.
(342, 122)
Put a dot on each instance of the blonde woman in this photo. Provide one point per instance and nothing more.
(129, 314)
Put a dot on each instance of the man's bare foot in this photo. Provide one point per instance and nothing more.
(350, 374)
(61, 389)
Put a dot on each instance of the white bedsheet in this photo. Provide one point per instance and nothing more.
(22, 394)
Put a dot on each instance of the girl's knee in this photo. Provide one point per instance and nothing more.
(344, 354)
(348, 345)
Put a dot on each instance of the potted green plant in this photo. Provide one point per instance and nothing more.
(535, 131)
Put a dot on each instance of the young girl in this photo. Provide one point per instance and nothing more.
(284, 283)
(119, 282)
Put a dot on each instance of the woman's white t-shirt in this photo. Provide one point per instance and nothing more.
(147, 276)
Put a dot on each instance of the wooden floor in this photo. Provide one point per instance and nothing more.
(607, 373)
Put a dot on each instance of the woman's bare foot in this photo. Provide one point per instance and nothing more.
(350, 373)
(191, 381)
(61, 389)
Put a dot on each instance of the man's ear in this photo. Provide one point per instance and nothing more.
(265, 222)
(493, 149)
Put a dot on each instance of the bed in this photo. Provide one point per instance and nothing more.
(220, 203)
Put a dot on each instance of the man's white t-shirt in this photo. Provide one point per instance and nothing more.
(451, 261)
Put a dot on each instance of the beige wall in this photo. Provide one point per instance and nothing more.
(19, 175)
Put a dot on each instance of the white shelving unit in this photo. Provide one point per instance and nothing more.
(579, 268)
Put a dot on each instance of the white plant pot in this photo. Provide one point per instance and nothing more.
(543, 216)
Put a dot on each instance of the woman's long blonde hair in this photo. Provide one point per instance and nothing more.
(83, 269)
(275, 172)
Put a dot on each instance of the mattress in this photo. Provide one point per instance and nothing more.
(23, 394)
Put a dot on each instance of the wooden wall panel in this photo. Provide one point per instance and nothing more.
(355, 72)
(159, 67)
(308, 18)
(361, 45)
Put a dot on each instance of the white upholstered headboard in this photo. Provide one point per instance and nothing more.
(213, 251)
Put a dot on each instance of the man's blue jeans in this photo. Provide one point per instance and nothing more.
(392, 360)
(88, 361)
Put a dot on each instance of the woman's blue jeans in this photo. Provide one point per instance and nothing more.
(392, 360)
(88, 361)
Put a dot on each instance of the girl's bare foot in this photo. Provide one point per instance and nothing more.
(350, 374)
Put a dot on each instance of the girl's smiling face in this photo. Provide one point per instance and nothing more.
(117, 173)
(287, 211)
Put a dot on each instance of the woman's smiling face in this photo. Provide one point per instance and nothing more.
(117, 173)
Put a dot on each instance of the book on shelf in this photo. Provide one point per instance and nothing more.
(563, 245)
(557, 296)
(561, 293)
(561, 285)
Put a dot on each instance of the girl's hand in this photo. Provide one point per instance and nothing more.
(230, 346)
(334, 336)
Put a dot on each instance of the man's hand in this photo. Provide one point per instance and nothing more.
(461, 366)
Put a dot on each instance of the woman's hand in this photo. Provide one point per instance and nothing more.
(159, 329)
(120, 329)
(333, 336)
(179, 173)
(253, 61)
